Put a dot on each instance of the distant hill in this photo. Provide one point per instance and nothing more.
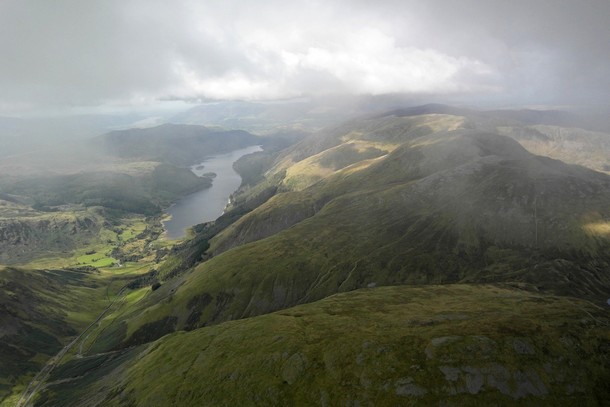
(22, 135)
(174, 143)
(131, 171)
(506, 116)
(271, 118)
(301, 114)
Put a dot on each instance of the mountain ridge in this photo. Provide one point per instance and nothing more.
(444, 212)
(443, 206)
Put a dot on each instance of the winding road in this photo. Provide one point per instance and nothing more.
(41, 377)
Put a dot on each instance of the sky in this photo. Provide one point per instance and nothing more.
(98, 54)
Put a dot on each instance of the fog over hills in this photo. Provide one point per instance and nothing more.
(373, 208)
(374, 203)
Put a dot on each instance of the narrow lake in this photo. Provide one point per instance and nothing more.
(208, 204)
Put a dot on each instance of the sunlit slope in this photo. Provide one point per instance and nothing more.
(457, 344)
(571, 145)
(339, 151)
(457, 206)
(337, 147)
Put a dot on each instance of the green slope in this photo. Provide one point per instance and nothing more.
(448, 207)
(39, 311)
(45, 234)
(454, 345)
(145, 189)
(387, 200)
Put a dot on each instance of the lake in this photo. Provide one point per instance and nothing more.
(208, 204)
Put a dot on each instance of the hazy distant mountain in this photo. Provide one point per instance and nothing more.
(174, 143)
(309, 114)
(262, 117)
(20, 135)
(561, 118)
(574, 138)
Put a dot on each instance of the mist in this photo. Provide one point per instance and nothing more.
(73, 71)
(72, 55)
(339, 202)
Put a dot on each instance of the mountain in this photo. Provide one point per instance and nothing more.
(40, 311)
(569, 144)
(415, 256)
(522, 117)
(453, 344)
(136, 170)
(387, 201)
(575, 138)
(146, 190)
(260, 117)
(21, 239)
(300, 114)
(48, 197)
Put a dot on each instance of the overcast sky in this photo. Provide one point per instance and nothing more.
(97, 53)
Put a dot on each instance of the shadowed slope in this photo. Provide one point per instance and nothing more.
(457, 344)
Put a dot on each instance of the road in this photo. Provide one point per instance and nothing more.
(41, 377)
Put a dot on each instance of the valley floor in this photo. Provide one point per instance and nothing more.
(67, 298)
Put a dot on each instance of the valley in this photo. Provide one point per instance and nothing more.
(314, 203)
(422, 255)
(78, 248)
(208, 204)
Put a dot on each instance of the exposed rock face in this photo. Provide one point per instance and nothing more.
(464, 379)
(451, 345)
(24, 238)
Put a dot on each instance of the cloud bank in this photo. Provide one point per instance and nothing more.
(76, 53)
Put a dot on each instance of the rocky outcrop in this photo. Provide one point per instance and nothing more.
(25, 238)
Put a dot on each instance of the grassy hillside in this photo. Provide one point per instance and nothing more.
(144, 191)
(25, 238)
(417, 198)
(456, 345)
(39, 311)
(78, 235)
(53, 296)
(442, 207)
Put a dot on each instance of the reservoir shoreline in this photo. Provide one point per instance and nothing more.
(209, 203)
